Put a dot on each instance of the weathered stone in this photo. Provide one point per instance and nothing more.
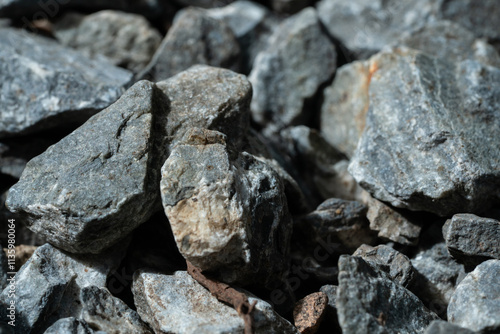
(331, 315)
(178, 304)
(369, 302)
(308, 312)
(476, 302)
(128, 40)
(23, 254)
(194, 38)
(48, 285)
(288, 74)
(100, 182)
(437, 275)
(471, 239)
(46, 84)
(227, 209)
(389, 260)
(444, 327)
(109, 314)
(424, 116)
(69, 325)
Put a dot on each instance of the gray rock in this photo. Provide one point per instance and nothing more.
(227, 209)
(331, 315)
(46, 84)
(476, 302)
(194, 38)
(100, 182)
(471, 239)
(424, 116)
(48, 285)
(69, 325)
(287, 75)
(389, 260)
(369, 302)
(128, 40)
(109, 314)
(3, 268)
(178, 304)
(444, 327)
(437, 276)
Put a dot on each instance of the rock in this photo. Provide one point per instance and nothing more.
(331, 309)
(100, 182)
(476, 302)
(3, 269)
(69, 325)
(194, 38)
(437, 276)
(23, 254)
(288, 74)
(424, 116)
(471, 239)
(47, 84)
(109, 314)
(128, 40)
(308, 312)
(227, 209)
(48, 285)
(444, 327)
(384, 258)
(178, 304)
(369, 302)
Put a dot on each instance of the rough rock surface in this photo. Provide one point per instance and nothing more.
(444, 327)
(389, 260)
(476, 302)
(227, 209)
(471, 239)
(287, 75)
(424, 147)
(331, 309)
(128, 40)
(100, 182)
(194, 38)
(46, 84)
(48, 285)
(70, 325)
(308, 313)
(178, 304)
(369, 302)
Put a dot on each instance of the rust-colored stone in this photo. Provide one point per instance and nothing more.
(309, 311)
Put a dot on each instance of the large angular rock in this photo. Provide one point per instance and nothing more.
(178, 304)
(100, 182)
(476, 302)
(48, 285)
(369, 302)
(471, 239)
(195, 38)
(46, 84)
(227, 209)
(128, 40)
(288, 74)
(424, 146)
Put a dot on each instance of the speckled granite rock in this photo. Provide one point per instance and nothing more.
(308, 313)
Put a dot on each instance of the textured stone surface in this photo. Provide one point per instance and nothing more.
(70, 325)
(48, 285)
(476, 302)
(389, 260)
(46, 84)
(424, 147)
(331, 309)
(227, 209)
(369, 302)
(100, 182)
(178, 304)
(308, 312)
(443, 327)
(23, 253)
(194, 38)
(128, 40)
(471, 239)
(109, 314)
(288, 74)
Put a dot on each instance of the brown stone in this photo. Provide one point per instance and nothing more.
(309, 311)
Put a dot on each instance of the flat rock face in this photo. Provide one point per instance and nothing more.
(227, 209)
(471, 239)
(424, 147)
(369, 302)
(194, 38)
(46, 84)
(100, 182)
(178, 304)
(476, 302)
(128, 40)
(299, 59)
